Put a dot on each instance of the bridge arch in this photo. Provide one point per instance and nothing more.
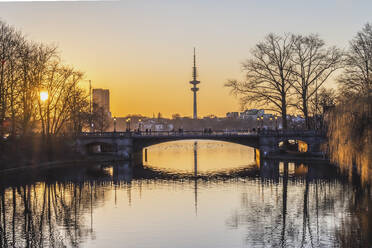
(99, 147)
(294, 144)
(144, 143)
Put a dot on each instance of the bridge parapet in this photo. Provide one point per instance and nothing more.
(265, 133)
(166, 133)
(292, 133)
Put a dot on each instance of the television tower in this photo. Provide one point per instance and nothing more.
(194, 89)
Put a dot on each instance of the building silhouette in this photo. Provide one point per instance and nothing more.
(101, 99)
(194, 89)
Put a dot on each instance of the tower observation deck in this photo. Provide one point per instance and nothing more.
(194, 89)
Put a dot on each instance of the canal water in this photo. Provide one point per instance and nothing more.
(187, 194)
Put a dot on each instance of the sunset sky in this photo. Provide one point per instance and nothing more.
(142, 50)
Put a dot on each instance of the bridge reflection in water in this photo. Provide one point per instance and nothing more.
(271, 203)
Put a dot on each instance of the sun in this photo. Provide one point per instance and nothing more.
(44, 95)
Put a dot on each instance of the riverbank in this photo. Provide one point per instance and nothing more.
(30, 153)
(291, 155)
(60, 163)
(299, 157)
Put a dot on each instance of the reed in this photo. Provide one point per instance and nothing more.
(350, 135)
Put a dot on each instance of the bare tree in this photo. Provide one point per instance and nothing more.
(313, 64)
(8, 44)
(59, 109)
(26, 69)
(326, 98)
(176, 116)
(357, 76)
(267, 76)
(100, 118)
(36, 60)
(79, 111)
(12, 77)
(160, 116)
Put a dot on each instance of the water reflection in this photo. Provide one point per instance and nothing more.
(196, 176)
(269, 204)
(274, 226)
(212, 156)
(47, 215)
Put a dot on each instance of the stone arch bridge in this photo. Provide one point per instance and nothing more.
(129, 145)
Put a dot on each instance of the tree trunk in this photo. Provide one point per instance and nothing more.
(284, 113)
(305, 110)
(2, 98)
(12, 101)
(284, 207)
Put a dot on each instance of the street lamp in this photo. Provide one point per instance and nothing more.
(114, 124)
(271, 122)
(276, 122)
(261, 122)
(139, 125)
(128, 124)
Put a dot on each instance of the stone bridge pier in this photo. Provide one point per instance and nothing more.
(269, 141)
(268, 145)
(121, 147)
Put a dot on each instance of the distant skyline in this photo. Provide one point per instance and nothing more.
(143, 50)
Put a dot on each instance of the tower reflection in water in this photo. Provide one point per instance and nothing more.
(196, 175)
(272, 203)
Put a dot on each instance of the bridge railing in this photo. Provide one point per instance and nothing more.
(291, 133)
(169, 133)
(275, 133)
(195, 133)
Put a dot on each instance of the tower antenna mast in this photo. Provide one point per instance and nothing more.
(194, 89)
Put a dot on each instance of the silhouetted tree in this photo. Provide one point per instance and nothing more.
(26, 68)
(160, 116)
(100, 118)
(176, 116)
(268, 73)
(10, 40)
(60, 81)
(313, 64)
(357, 76)
(326, 98)
(80, 111)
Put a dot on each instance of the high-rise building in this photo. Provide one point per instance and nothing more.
(101, 99)
(194, 89)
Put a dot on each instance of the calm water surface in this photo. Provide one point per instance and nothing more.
(187, 194)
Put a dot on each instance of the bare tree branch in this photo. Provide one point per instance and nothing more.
(267, 76)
